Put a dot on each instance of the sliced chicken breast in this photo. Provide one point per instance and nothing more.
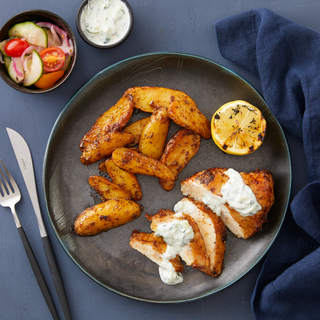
(206, 186)
(194, 253)
(153, 247)
(212, 230)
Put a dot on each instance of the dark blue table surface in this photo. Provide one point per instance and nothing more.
(178, 26)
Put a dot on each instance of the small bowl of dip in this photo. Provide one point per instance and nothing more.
(104, 24)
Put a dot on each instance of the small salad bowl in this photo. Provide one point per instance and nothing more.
(88, 35)
(58, 33)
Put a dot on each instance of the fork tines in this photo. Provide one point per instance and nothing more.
(6, 187)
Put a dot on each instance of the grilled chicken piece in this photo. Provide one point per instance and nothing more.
(207, 184)
(194, 253)
(212, 229)
(153, 247)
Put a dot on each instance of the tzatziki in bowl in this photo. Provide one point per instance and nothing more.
(104, 23)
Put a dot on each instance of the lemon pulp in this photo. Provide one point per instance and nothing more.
(238, 127)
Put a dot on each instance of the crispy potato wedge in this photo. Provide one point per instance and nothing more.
(188, 116)
(154, 135)
(106, 215)
(127, 181)
(136, 129)
(107, 189)
(147, 98)
(136, 162)
(183, 145)
(112, 120)
(104, 147)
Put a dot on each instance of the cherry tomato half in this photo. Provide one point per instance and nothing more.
(53, 59)
(15, 47)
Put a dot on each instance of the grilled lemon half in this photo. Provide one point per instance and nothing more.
(238, 127)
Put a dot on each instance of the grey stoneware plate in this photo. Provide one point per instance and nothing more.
(107, 257)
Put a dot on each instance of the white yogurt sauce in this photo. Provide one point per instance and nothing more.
(176, 233)
(214, 202)
(186, 207)
(238, 195)
(105, 21)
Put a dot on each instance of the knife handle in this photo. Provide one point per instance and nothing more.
(54, 269)
(38, 274)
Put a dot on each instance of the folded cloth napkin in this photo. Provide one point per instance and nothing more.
(286, 57)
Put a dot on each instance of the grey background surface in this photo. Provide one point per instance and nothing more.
(178, 26)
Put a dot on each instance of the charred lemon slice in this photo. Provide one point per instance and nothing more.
(238, 127)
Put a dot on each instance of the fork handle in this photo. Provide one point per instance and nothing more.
(38, 274)
(54, 269)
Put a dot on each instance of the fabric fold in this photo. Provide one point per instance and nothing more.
(286, 58)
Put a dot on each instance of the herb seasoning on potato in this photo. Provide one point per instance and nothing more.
(136, 162)
(154, 135)
(106, 215)
(179, 150)
(127, 181)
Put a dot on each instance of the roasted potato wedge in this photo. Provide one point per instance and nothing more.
(136, 129)
(106, 215)
(179, 150)
(154, 135)
(127, 181)
(147, 98)
(188, 116)
(107, 189)
(136, 162)
(112, 120)
(104, 147)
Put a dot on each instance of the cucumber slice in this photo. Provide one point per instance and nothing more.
(2, 45)
(15, 70)
(34, 70)
(7, 61)
(31, 32)
(67, 63)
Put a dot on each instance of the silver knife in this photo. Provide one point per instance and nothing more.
(23, 155)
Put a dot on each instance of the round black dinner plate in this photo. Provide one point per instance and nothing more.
(107, 258)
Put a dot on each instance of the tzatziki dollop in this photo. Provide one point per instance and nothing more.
(105, 22)
(176, 233)
(236, 193)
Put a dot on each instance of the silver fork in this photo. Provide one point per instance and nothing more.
(9, 197)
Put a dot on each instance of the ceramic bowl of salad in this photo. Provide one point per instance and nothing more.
(104, 24)
(38, 51)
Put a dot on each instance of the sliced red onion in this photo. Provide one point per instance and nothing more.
(24, 63)
(55, 36)
(28, 50)
(14, 63)
(63, 35)
(66, 43)
(67, 49)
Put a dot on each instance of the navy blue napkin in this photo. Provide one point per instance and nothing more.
(286, 58)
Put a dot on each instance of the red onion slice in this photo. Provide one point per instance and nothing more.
(14, 63)
(28, 50)
(55, 36)
(66, 42)
(67, 49)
